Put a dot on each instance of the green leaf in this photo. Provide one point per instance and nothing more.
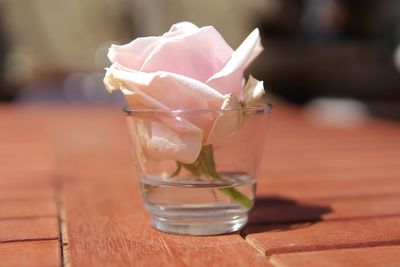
(205, 166)
(237, 197)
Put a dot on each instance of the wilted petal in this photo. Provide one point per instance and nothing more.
(229, 78)
(253, 91)
(227, 121)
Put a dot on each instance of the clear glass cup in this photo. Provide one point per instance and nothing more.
(198, 168)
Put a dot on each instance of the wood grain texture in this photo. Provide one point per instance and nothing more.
(274, 209)
(32, 156)
(385, 256)
(341, 186)
(28, 229)
(324, 235)
(30, 192)
(22, 178)
(27, 208)
(325, 195)
(351, 188)
(44, 253)
(106, 221)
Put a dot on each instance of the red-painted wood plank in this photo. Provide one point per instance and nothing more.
(22, 178)
(22, 208)
(30, 192)
(302, 189)
(28, 229)
(106, 221)
(324, 235)
(385, 256)
(45, 253)
(276, 209)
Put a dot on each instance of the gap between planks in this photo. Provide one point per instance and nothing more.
(360, 245)
(312, 248)
(62, 222)
(28, 240)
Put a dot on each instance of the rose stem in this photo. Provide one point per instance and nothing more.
(205, 166)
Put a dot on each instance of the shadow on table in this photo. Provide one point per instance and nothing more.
(275, 213)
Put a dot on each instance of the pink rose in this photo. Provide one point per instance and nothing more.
(186, 68)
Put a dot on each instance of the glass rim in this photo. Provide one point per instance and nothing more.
(263, 108)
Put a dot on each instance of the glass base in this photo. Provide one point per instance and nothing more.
(212, 226)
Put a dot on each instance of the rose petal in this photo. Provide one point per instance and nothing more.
(164, 143)
(226, 122)
(189, 54)
(229, 78)
(133, 54)
(253, 91)
(229, 121)
(148, 90)
(173, 90)
(180, 28)
(181, 139)
(180, 70)
(175, 121)
(188, 135)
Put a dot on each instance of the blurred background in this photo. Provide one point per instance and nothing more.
(340, 58)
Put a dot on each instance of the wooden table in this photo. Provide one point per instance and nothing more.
(69, 197)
